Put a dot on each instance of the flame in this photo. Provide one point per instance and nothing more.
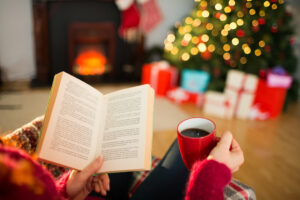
(90, 62)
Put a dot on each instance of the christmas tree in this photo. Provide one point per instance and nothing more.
(247, 35)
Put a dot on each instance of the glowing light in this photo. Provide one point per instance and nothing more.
(252, 11)
(262, 13)
(171, 37)
(205, 38)
(240, 22)
(257, 52)
(226, 47)
(281, 1)
(243, 60)
(209, 26)
(174, 51)
(187, 29)
(261, 43)
(235, 41)
(199, 13)
(194, 51)
(215, 32)
(181, 30)
(169, 46)
(247, 50)
(196, 22)
(274, 6)
(224, 32)
(226, 56)
(218, 6)
(248, 5)
(187, 37)
(255, 23)
(231, 2)
(188, 20)
(227, 27)
(205, 13)
(202, 47)
(223, 17)
(266, 4)
(240, 14)
(233, 25)
(227, 9)
(195, 40)
(185, 57)
(203, 4)
(211, 48)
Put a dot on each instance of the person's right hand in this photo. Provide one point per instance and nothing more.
(228, 152)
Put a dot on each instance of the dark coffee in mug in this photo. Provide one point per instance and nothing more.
(194, 132)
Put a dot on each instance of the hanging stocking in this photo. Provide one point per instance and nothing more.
(150, 15)
(130, 19)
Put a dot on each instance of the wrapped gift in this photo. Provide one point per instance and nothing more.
(218, 104)
(161, 76)
(241, 88)
(271, 93)
(180, 96)
(268, 99)
(279, 78)
(194, 80)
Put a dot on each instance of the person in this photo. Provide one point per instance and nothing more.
(22, 177)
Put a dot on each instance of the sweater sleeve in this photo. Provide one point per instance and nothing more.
(207, 180)
(61, 184)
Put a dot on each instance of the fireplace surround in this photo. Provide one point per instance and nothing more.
(61, 25)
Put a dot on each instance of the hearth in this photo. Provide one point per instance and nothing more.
(81, 37)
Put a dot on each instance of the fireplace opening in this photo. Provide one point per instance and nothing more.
(74, 34)
(92, 50)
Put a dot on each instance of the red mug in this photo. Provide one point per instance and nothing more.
(196, 148)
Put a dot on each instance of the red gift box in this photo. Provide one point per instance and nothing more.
(161, 76)
(180, 95)
(269, 99)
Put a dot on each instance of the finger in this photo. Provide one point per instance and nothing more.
(105, 180)
(100, 187)
(235, 146)
(91, 168)
(226, 140)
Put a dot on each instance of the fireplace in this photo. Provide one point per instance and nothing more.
(81, 38)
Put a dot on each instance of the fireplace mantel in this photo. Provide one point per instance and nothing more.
(45, 10)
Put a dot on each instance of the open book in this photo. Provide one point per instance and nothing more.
(81, 123)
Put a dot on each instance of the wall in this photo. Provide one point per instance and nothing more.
(16, 40)
(16, 34)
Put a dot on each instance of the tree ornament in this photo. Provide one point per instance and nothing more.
(218, 15)
(274, 28)
(267, 48)
(261, 21)
(206, 55)
(255, 28)
(240, 33)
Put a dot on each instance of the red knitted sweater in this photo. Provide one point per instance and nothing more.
(207, 179)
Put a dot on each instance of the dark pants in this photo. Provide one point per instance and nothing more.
(166, 181)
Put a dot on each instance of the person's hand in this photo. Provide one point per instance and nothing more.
(228, 152)
(80, 184)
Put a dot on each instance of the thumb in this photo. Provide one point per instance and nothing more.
(226, 140)
(91, 168)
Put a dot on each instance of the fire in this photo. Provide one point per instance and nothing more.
(90, 62)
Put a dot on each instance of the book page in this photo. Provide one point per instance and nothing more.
(122, 145)
(71, 134)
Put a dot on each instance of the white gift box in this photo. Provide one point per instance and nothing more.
(218, 104)
(241, 88)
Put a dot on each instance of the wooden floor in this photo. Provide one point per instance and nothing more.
(271, 149)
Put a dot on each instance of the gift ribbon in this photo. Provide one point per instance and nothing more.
(226, 103)
(239, 92)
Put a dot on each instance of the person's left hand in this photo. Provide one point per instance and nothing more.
(80, 184)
